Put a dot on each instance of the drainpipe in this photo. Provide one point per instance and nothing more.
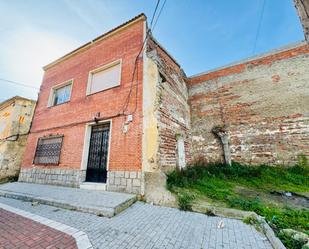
(224, 136)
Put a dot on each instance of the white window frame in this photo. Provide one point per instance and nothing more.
(51, 98)
(102, 68)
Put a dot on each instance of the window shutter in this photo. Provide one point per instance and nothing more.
(105, 79)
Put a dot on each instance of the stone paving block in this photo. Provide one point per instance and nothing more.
(146, 226)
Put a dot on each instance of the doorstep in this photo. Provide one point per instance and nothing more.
(102, 203)
(93, 186)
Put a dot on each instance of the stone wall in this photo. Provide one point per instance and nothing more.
(263, 103)
(54, 176)
(125, 181)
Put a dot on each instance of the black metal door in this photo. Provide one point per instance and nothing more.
(98, 152)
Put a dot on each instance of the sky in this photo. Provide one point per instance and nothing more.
(200, 34)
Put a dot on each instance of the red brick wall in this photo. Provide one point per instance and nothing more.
(173, 111)
(70, 118)
(264, 103)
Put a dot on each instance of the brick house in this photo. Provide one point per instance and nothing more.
(95, 122)
(117, 115)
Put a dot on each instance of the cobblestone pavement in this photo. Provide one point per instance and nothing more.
(146, 226)
(19, 232)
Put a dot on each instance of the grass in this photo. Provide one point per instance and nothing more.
(247, 188)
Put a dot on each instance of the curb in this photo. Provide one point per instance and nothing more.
(239, 214)
(106, 212)
(81, 238)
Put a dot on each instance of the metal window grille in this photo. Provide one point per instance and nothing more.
(48, 150)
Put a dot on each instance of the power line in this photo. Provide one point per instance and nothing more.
(159, 15)
(126, 104)
(18, 83)
(259, 27)
(154, 12)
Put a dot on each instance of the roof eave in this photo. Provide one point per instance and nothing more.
(141, 16)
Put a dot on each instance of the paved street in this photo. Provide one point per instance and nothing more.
(19, 232)
(146, 226)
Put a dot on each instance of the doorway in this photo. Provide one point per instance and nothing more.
(98, 153)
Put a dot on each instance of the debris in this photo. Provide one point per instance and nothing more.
(220, 224)
(288, 194)
(35, 203)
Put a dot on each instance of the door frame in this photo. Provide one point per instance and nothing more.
(86, 146)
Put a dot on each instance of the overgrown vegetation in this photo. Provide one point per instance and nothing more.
(247, 188)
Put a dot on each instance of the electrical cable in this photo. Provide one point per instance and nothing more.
(135, 70)
(259, 27)
(18, 83)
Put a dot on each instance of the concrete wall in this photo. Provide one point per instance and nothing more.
(15, 119)
(263, 102)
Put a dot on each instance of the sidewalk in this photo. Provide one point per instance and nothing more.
(144, 226)
(90, 201)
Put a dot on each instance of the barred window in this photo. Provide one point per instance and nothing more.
(48, 150)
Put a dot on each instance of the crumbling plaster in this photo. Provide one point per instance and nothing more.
(264, 106)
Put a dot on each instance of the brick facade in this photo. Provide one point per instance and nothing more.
(173, 111)
(263, 102)
(70, 119)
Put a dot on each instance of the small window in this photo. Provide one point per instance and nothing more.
(48, 150)
(62, 94)
(104, 78)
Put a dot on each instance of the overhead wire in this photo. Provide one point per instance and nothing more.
(19, 83)
(135, 70)
(259, 27)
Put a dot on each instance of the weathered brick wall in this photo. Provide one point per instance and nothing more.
(263, 102)
(173, 112)
(70, 118)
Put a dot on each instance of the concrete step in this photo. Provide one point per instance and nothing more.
(93, 186)
(102, 203)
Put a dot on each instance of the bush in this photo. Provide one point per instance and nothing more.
(185, 199)
(303, 161)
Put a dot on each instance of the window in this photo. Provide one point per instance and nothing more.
(48, 150)
(104, 78)
(60, 93)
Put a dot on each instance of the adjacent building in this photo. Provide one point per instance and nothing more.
(119, 112)
(15, 121)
